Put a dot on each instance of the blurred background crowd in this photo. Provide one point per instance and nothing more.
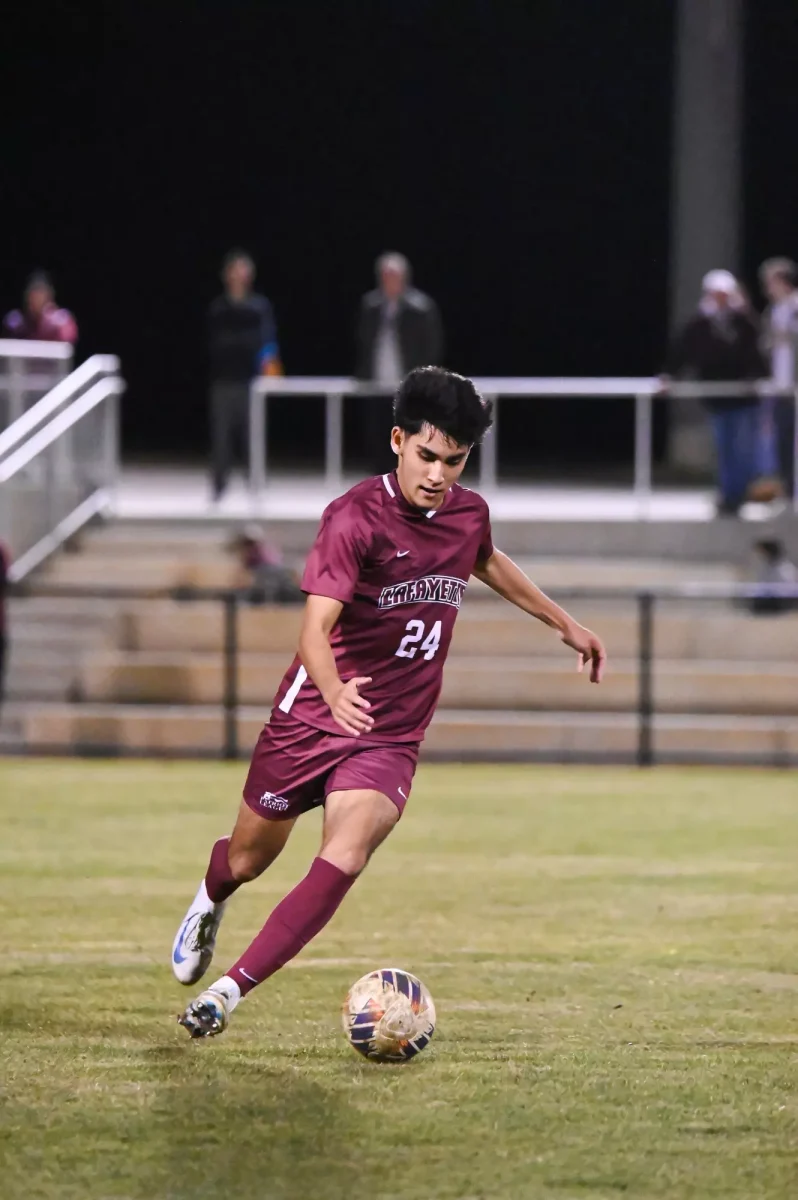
(736, 335)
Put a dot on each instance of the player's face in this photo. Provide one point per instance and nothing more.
(428, 465)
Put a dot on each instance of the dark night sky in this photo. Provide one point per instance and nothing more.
(518, 152)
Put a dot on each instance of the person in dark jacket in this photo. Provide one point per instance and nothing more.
(242, 343)
(720, 344)
(398, 328)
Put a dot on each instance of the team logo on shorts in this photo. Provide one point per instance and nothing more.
(275, 803)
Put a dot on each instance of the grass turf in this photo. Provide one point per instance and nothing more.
(612, 955)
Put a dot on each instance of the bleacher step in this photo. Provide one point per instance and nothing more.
(453, 735)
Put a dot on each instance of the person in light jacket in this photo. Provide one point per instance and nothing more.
(399, 328)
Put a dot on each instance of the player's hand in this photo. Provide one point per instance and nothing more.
(347, 707)
(589, 648)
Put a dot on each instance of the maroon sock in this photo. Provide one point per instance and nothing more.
(219, 881)
(299, 917)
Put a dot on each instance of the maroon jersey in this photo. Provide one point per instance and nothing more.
(400, 573)
(52, 324)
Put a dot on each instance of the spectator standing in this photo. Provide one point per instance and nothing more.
(399, 328)
(242, 343)
(720, 344)
(40, 319)
(778, 278)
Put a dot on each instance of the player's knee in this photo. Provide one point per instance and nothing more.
(352, 855)
(352, 860)
(246, 865)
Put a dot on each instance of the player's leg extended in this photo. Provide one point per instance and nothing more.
(253, 845)
(355, 822)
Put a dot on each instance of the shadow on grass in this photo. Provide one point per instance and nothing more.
(173, 1120)
(233, 1126)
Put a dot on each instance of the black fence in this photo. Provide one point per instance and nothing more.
(770, 603)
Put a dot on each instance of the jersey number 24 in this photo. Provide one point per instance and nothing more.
(414, 632)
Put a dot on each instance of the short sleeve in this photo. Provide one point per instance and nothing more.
(486, 544)
(334, 564)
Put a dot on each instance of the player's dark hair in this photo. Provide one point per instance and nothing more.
(444, 400)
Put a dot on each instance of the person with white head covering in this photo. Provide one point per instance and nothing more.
(719, 343)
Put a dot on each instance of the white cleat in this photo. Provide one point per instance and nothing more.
(206, 1016)
(195, 942)
(209, 1014)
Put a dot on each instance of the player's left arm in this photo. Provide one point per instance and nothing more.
(508, 580)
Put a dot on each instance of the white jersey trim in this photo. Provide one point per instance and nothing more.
(391, 492)
(286, 704)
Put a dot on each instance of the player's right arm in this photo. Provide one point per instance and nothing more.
(347, 707)
(507, 579)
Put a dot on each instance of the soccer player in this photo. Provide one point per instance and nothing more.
(384, 583)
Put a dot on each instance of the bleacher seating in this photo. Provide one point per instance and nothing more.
(150, 673)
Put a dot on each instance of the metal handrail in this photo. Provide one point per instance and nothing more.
(59, 425)
(32, 368)
(67, 390)
(61, 523)
(317, 385)
(22, 348)
(642, 390)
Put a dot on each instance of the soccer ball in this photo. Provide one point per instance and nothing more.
(388, 1016)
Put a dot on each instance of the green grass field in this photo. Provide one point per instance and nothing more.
(613, 955)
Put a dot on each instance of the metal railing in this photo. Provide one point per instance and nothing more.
(59, 464)
(646, 607)
(59, 397)
(335, 389)
(28, 369)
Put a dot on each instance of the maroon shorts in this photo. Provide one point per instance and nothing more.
(295, 767)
